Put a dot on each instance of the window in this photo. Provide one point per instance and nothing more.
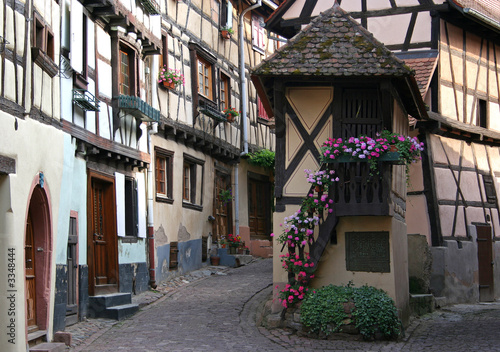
(127, 71)
(258, 33)
(226, 14)
(131, 213)
(186, 183)
(124, 73)
(163, 175)
(204, 78)
(225, 101)
(163, 59)
(482, 113)
(43, 49)
(43, 38)
(192, 182)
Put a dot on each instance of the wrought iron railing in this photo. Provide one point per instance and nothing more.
(85, 100)
(151, 6)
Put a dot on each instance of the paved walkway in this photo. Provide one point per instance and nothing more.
(217, 313)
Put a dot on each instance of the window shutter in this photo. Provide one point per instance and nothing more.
(141, 205)
(120, 203)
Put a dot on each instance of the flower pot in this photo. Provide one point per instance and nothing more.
(168, 85)
(319, 189)
(232, 250)
(214, 261)
(225, 34)
(393, 148)
(230, 118)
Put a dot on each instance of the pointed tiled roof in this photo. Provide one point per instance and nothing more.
(333, 44)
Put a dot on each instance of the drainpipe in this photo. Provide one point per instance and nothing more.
(150, 219)
(244, 106)
(243, 78)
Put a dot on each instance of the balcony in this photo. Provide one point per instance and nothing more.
(138, 108)
(85, 100)
(151, 6)
(361, 191)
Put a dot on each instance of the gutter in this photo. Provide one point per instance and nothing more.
(244, 107)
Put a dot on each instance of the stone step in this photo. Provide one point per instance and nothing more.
(49, 347)
(111, 300)
(121, 312)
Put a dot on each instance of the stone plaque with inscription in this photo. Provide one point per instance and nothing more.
(367, 251)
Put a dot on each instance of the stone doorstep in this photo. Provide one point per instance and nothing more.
(49, 347)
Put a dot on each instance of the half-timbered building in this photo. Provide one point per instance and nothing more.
(335, 80)
(107, 105)
(453, 196)
(31, 172)
(197, 151)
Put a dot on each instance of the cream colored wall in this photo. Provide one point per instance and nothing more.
(332, 266)
(36, 147)
(171, 217)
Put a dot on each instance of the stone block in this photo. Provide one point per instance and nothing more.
(64, 337)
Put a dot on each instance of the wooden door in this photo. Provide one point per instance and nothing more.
(259, 214)
(222, 210)
(72, 264)
(103, 266)
(29, 258)
(485, 261)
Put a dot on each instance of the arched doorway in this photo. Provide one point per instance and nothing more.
(37, 255)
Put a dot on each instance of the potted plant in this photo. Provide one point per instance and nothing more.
(170, 78)
(226, 32)
(226, 196)
(230, 114)
(234, 242)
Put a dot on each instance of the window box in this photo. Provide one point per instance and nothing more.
(139, 108)
(85, 100)
(392, 157)
(211, 110)
(151, 6)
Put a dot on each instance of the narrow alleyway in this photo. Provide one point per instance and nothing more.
(217, 313)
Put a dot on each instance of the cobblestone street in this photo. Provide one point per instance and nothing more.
(214, 310)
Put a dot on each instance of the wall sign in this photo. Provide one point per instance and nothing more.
(367, 251)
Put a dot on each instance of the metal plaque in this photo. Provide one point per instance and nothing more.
(367, 251)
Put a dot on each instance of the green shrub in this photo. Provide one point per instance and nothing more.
(373, 311)
(262, 157)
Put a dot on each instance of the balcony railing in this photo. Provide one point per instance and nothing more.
(151, 6)
(361, 191)
(85, 100)
(139, 108)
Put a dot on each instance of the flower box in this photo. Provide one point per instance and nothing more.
(392, 157)
(168, 85)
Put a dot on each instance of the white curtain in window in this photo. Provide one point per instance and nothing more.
(120, 203)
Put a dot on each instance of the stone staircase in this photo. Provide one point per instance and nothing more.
(116, 306)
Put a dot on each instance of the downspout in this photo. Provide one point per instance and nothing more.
(243, 78)
(244, 106)
(150, 219)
